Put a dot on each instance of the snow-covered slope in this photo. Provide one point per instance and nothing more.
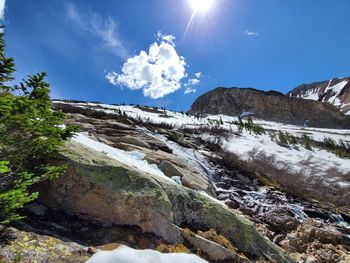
(196, 147)
(244, 143)
(334, 91)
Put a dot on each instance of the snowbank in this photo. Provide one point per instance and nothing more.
(124, 254)
(133, 159)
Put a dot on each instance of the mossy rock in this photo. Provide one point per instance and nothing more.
(28, 247)
(104, 189)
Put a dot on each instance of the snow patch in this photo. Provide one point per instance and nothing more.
(133, 159)
(298, 160)
(338, 87)
(310, 95)
(124, 254)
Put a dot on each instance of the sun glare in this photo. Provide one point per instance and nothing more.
(201, 5)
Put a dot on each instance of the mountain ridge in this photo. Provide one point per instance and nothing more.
(334, 91)
(269, 105)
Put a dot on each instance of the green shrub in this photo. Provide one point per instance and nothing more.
(341, 148)
(249, 125)
(306, 141)
(283, 139)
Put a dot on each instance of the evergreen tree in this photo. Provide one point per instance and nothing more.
(29, 132)
(307, 141)
(249, 123)
(7, 66)
(282, 139)
(240, 124)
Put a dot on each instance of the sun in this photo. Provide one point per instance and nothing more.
(201, 5)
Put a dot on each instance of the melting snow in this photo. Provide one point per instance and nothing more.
(310, 95)
(124, 254)
(286, 157)
(133, 159)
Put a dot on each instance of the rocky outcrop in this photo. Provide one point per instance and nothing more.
(105, 189)
(128, 137)
(28, 247)
(315, 242)
(335, 91)
(271, 106)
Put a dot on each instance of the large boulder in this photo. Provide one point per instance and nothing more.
(189, 179)
(105, 189)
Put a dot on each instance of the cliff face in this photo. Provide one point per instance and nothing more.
(271, 105)
(334, 91)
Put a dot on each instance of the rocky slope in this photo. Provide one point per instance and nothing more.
(271, 105)
(335, 91)
(155, 179)
(106, 190)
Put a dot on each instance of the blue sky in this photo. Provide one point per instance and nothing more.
(265, 44)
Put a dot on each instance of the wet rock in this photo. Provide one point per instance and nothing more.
(282, 221)
(170, 169)
(111, 124)
(188, 179)
(91, 250)
(37, 209)
(134, 141)
(316, 213)
(106, 141)
(223, 196)
(232, 204)
(162, 147)
(277, 239)
(216, 251)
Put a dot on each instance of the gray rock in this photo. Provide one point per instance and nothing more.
(134, 141)
(106, 190)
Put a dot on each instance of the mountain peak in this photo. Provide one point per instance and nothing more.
(334, 91)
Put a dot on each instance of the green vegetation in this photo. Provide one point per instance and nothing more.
(29, 132)
(249, 125)
(342, 149)
(286, 139)
(306, 141)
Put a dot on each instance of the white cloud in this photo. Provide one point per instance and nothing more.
(2, 9)
(192, 82)
(168, 38)
(198, 74)
(157, 72)
(251, 33)
(190, 90)
(105, 29)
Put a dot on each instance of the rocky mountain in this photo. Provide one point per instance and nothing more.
(335, 91)
(147, 178)
(271, 106)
